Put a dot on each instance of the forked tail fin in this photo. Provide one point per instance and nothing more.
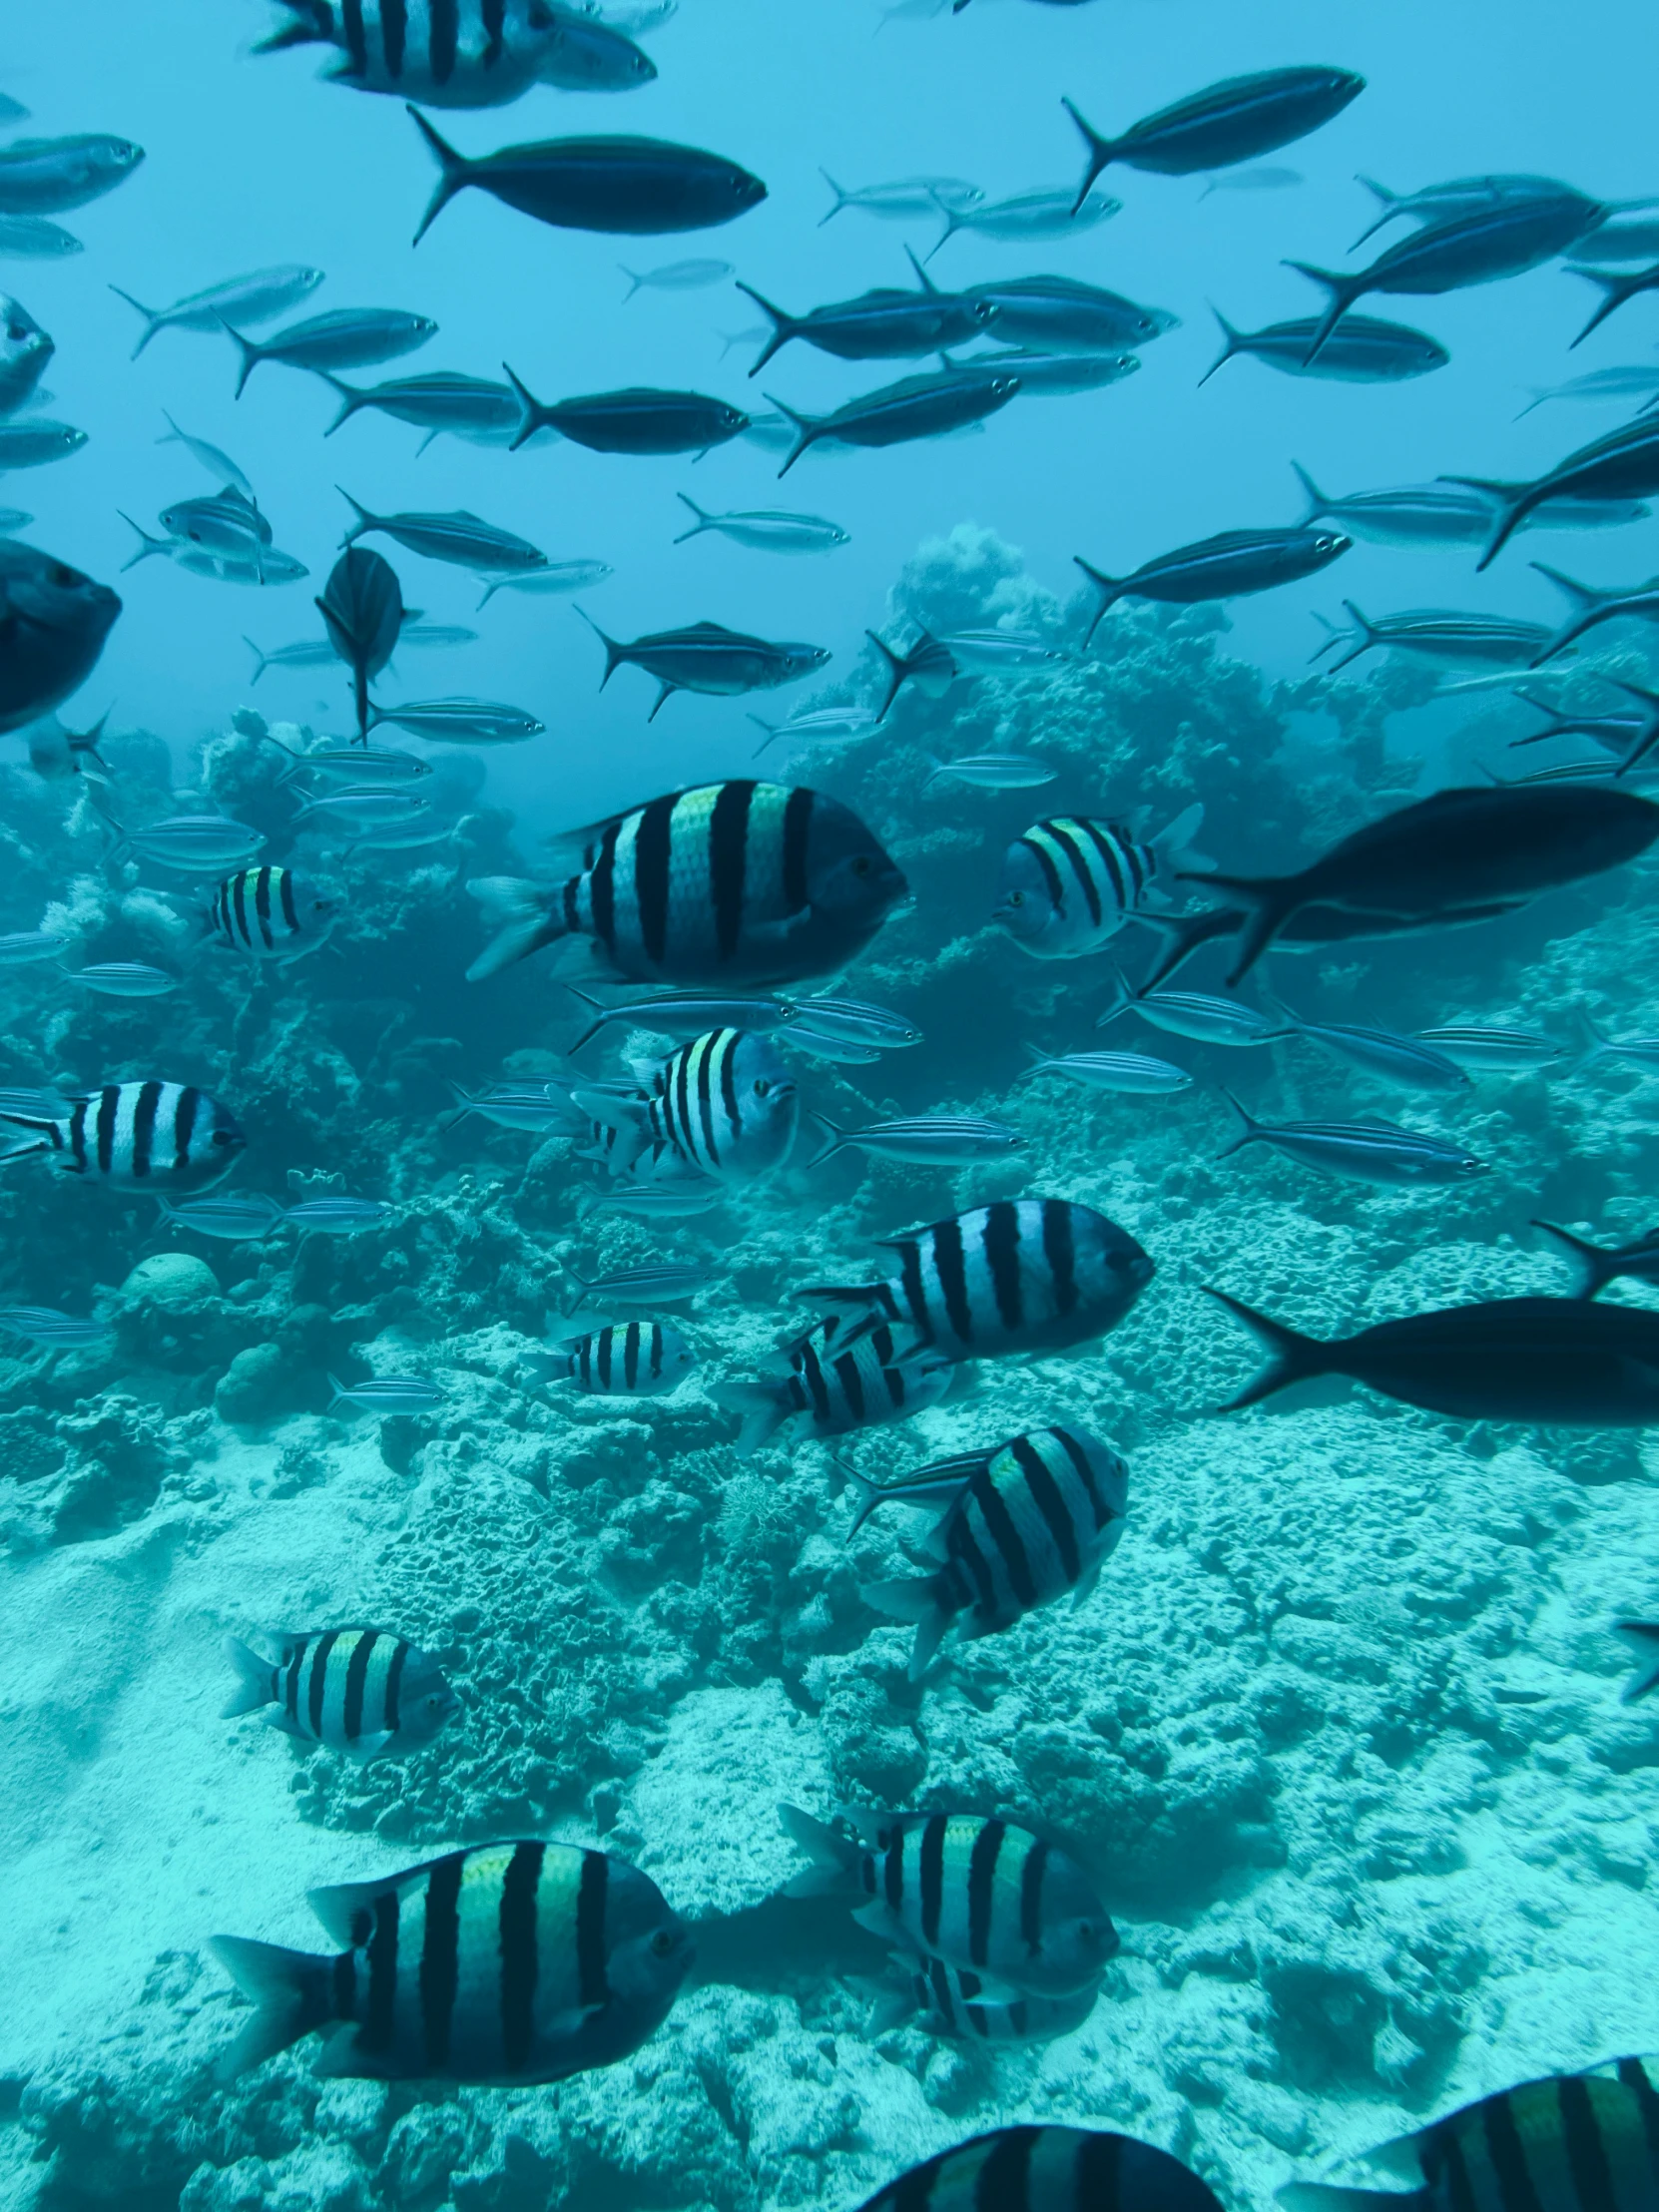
(1293, 1358)
(292, 1989)
(1100, 153)
(454, 171)
(1596, 1266)
(1344, 290)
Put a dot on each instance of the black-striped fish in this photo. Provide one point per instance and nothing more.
(728, 883)
(1022, 1274)
(967, 2009)
(635, 1359)
(981, 1894)
(1071, 882)
(504, 1964)
(1022, 1525)
(357, 1690)
(442, 53)
(725, 1105)
(1583, 2142)
(262, 910)
(137, 1133)
(833, 1386)
(1048, 2169)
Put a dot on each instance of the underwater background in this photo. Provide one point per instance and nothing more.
(1339, 1734)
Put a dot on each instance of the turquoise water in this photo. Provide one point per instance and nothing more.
(1335, 1742)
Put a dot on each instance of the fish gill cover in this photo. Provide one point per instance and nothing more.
(636, 1570)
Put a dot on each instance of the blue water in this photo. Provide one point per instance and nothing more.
(1337, 1736)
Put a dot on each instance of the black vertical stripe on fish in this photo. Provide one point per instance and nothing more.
(1455, 2169)
(235, 895)
(356, 45)
(1099, 2172)
(1121, 870)
(284, 881)
(950, 1267)
(1060, 832)
(262, 907)
(656, 1350)
(295, 1662)
(1039, 852)
(394, 31)
(1001, 1242)
(519, 1959)
(1000, 1523)
(930, 1869)
(1004, 2179)
(1045, 1496)
(77, 1135)
(1031, 1896)
(106, 1100)
(728, 1081)
(851, 1380)
(440, 1956)
(817, 1387)
(144, 1126)
(798, 829)
(346, 1986)
(729, 862)
(316, 1689)
(356, 1681)
(1085, 1474)
(185, 1108)
(592, 1986)
(444, 32)
(394, 1682)
(909, 1277)
(1061, 1253)
(1634, 2075)
(893, 1870)
(966, 1551)
(602, 891)
(1587, 2161)
(495, 24)
(653, 867)
(379, 2029)
(631, 1355)
(982, 1890)
(573, 906)
(1515, 2185)
(710, 1053)
(678, 1104)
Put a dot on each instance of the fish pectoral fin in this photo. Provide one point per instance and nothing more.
(563, 2025)
(370, 1747)
(882, 1920)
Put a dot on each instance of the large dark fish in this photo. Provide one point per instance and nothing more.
(635, 187)
(1231, 122)
(1066, 317)
(1457, 196)
(1502, 238)
(53, 622)
(362, 608)
(1312, 929)
(707, 657)
(1444, 859)
(1228, 566)
(639, 420)
(1624, 464)
(1050, 2169)
(1563, 1362)
(915, 407)
(882, 326)
(1360, 350)
(1599, 1264)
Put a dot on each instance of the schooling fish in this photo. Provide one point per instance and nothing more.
(880, 325)
(256, 299)
(1360, 350)
(927, 664)
(235, 1217)
(838, 1380)
(1056, 374)
(53, 624)
(1622, 465)
(983, 1895)
(25, 351)
(470, 407)
(1070, 882)
(1591, 605)
(29, 238)
(915, 407)
(132, 1133)
(707, 657)
(1131, 1073)
(634, 187)
(725, 1105)
(905, 197)
(1449, 514)
(335, 1216)
(931, 1140)
(636, 1360)
(1559, 1362)
(460, 538)
(990, 771)
(388, 1394)
(1020, 1526)
(1437, 635)
(1223, 1021)
(856, 1021)
(192, 845)
(640, 419)
(766, 530)
(1457, 196)
(460, 721)
(741, 882)
(357, 1690)
(345, 338)
(656, 1283)
(1066, 317)
(125, 980)
(51, 1331)
(1359, 1151)
(1404, 1063)
(32, 444)
(1228, 566)
(1029, 1275)
(1029, 215)
(557, 576)
(505, 1963)
(1506, 1051)
(362, 611)
(1228, 123)
(965, 2007)
(1050, 2169)
(45, 176)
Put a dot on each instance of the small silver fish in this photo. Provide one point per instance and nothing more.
(1001, 652)
(557, 576)
(30, 237)
(1404, 1063)
(661, 1201)
(354, 765)
(1129, 1072)
(460, 721)
(436, 635)
(361, 808)
(991, 772)
(819, 1045)
(125, 980)
(22, 947)
(1500, 1051)
(854, 1021)
(658, 1283)
(1361, 1152)
(52, 1330)
(821, 726)
(766, 529)
(528, 1107)
(1207, 1020)
(931, 1140)
(336, 1217)
(235, 1217)
(684, 1015)
(1642, 1052)
(213, 459)
(389, 1393)
(30, 443)
(192, 845)
(689, 275)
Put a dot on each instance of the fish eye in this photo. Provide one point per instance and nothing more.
(65, 578)
(1016, 899)
(661, 1943)
(861, 866)
(761, 1086)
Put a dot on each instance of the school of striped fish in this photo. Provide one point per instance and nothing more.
(681, 1070)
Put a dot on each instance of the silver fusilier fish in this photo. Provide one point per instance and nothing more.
(335, 1216)
(125, 980)
(469, 407)
(260, 298)
(25, 351)
(1360, 350)
(505, 1963)
(916, 407)
(387, 1395)
(706, 657)
(685, 1014)
(357, 1690)
(344, 337)
(30, 237)
(191, 844)
(213, 459)
(687, 276)
(557, 576)
(990, 771)
(45, 176)
(1234, 564)
(1058, 314)
(1359, 1151)
(460, 721)
(1404, 1063)
(928, 1140)
(1131, 1073)
(905, 197)
(889, 323)
(856, 1021)
(656, 1283)
(638, 420)
(1500, 1051)
(927, 664)
(459, 537)
(766, 530)
(1235, 120)
(1207, 1020)
(234, 1217)
(31, 443)
(50, 1331)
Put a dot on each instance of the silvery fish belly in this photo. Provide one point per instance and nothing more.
(1023, 1275)
(509, 1963)
(167, 1136)
(442, 53)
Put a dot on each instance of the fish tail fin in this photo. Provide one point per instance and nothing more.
(262, 661)
(772, 728)
(1366, 636)
(1386, 203)
(147, 546)
(1249, 1127)
(1099, 155)
(1317, 504)
(308, 28)
(1595, 1267)
(253, 1674)
(833, 1132)
(601, 1013)
(1641, 1639)
(364, 521)
(490, 589)
(1594, 1044)
(454, 171)
(1293, 1358)
(783, 326)
(535, 416)
(635, 280)
(1615, 291)
(293, 1991)
(807, 430)
(922, 279)
(250, 355)
(840, 199)
(1540, 392)
(765, 1407)
(1109, 587)
(1122, 998)
(1581, 595)
(1231, 340)
(835, 1858)
(151, 321)
(528, 918)
(699, 526)
(1173, 843)
(350, 399)
(614, 652)
(1512, 504)
(1269, 905)
(1342, 291)
(923, 1602)
(895, 671)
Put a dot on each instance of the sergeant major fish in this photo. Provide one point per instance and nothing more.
(838, 1379)
(443, 53)
(724, 1104)
(965, 2007)
(138, 1134)
(635, 1359)
(357, 1690)
(505, 1963)
(1050, 2169)
(1071, 882)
